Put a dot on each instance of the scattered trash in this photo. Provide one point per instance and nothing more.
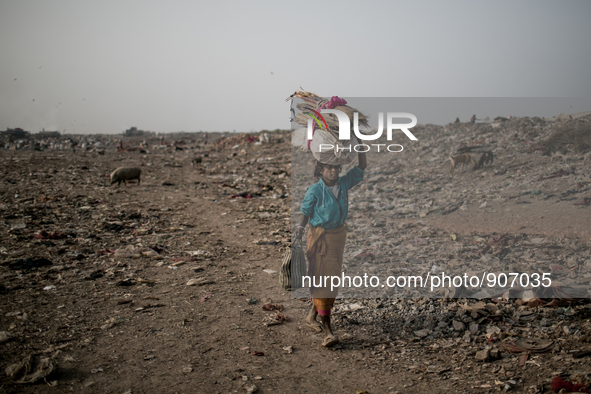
(199, 282)
(200, 253)
(276, 319)
(350, 307)
(112, 322)
(30, 370)
(127, 282)
(272, 307)
(557, 174)
(5, 336)
(250, 388)
(529, 345)
(559, 384)
(45, 235)
(95, 274)
(288, 349)
(205, 297)
(281, 317)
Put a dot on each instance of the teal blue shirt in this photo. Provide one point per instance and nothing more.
(322, 207)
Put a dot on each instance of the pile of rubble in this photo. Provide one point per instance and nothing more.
(393, 213)
(410, 218)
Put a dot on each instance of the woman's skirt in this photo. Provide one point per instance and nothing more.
(325, 260)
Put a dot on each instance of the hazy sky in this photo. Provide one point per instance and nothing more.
(104, 66)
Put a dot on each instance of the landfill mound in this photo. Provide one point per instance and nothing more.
(571, 136)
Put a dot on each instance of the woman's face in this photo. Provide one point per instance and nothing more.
(330, 174)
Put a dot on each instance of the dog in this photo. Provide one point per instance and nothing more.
(487, 157)
(464, 159)
(570, 150)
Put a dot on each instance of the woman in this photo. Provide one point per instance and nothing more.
(325, 206)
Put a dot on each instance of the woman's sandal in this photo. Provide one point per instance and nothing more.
(317, 327)
(330, 341)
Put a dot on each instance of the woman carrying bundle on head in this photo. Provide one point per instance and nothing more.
(325, 207)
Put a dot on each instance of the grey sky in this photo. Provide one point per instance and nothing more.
(104, 66)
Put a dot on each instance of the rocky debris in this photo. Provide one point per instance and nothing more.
(121, 258)
(407, 218)
(483, 355)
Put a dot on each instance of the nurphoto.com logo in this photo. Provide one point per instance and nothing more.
(345, 130)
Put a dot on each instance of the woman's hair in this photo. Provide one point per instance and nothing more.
(320, 168)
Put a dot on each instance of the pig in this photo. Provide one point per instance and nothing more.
(125, 174)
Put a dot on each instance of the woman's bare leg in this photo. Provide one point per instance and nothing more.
(329, 338)
(311, 320)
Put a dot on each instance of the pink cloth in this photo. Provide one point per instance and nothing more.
(335, 101)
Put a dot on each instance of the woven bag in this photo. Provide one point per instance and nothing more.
(285, 273)
(293, 266)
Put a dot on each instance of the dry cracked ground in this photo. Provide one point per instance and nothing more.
(160, 287)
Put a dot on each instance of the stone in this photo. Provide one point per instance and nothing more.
(467, 338)
(459, 326)
(422, 333)
(483, 355)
